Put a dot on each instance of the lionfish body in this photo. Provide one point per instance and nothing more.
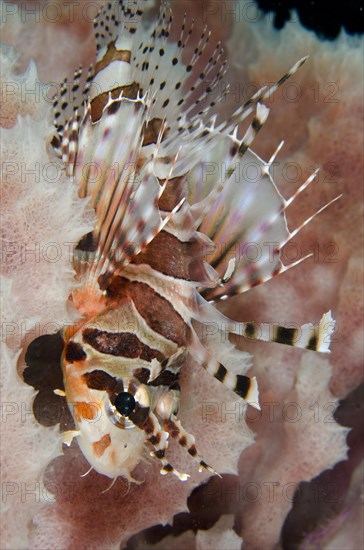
(163, 250)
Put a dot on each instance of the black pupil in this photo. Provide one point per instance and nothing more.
(125, 403)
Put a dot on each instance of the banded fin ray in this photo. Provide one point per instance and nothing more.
(117, 21)
(209, 128)
(315, 337)
(264, 93)
(219, 357)
(265, 236)
(106, 170)
(187, 441)
(200, 134)
(238, 226)
(177, 84)
(158, 438)
(69, 103)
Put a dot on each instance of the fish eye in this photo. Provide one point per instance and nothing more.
(125, 403)
(127, 394)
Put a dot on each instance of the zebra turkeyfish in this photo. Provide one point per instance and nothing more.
(136, 136)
